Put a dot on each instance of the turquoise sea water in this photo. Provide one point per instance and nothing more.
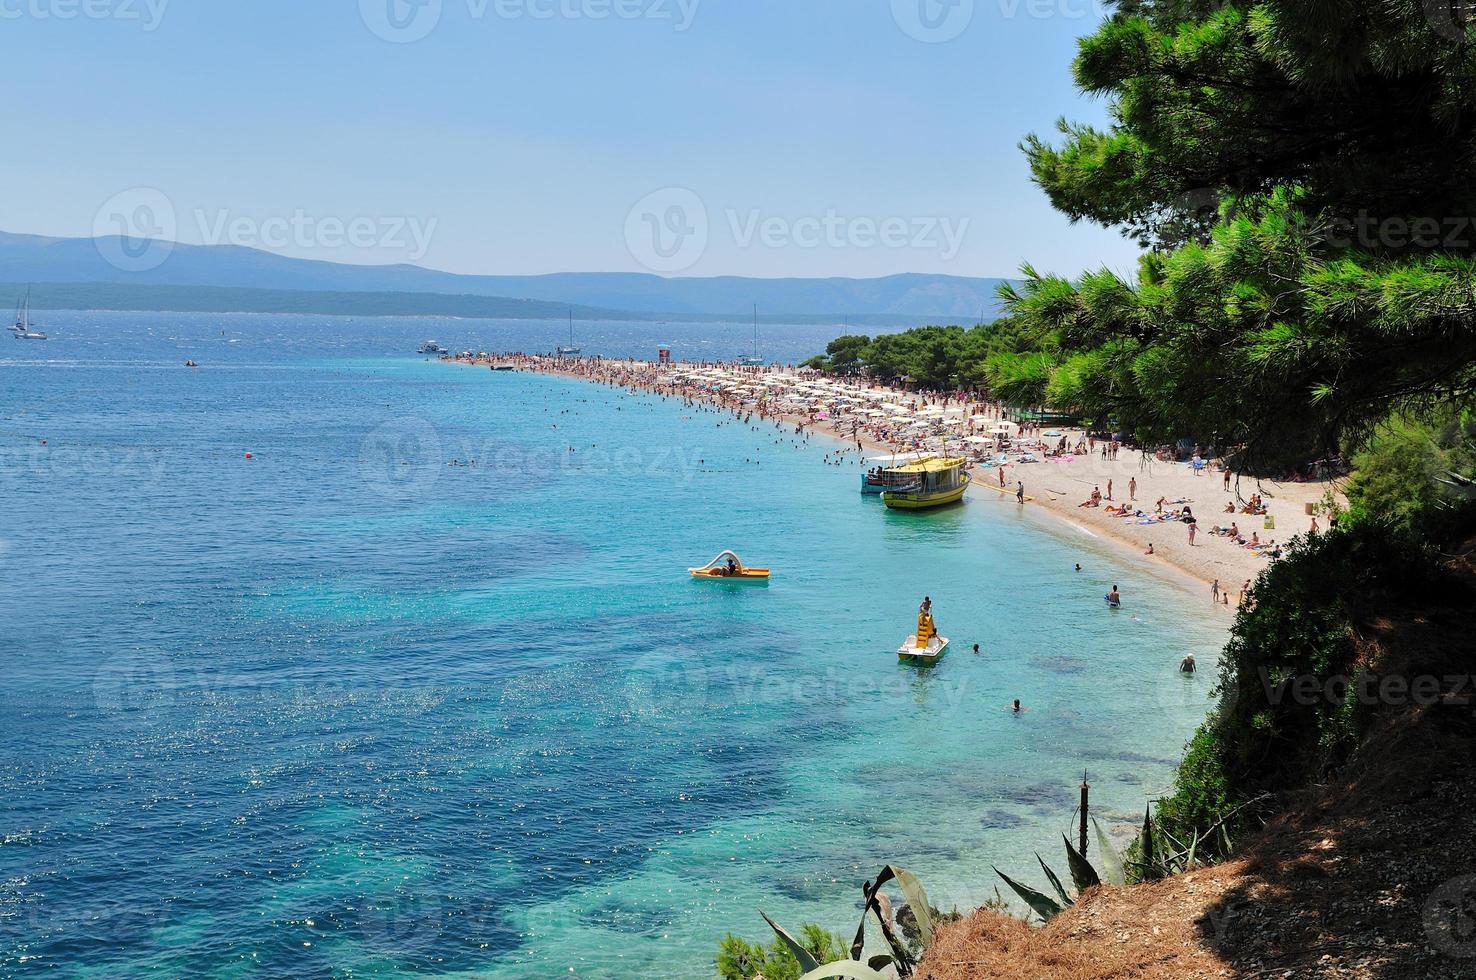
(344, 709)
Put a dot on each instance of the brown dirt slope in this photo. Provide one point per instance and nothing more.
(1372, 875)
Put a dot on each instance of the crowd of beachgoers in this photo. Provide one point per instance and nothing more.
(1150, 496)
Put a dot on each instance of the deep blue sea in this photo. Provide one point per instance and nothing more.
(345, 709)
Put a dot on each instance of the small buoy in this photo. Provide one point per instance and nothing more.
(248, 455)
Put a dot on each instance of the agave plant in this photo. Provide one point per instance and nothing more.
(1162, 854)
(1159, 854)
(1083, 876)
(878, 908)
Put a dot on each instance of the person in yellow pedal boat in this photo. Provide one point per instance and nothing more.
(732, 568)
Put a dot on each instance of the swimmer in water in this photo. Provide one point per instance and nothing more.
(1016, 707)
(1187, 665)
(1114, 597)
(976, 649)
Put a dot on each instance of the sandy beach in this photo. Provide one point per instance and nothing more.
(1060, 484)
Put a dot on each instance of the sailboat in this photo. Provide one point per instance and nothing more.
(22, 328)
(571, 350)
(753, 360)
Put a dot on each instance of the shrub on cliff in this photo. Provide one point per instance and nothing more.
(1297, 686)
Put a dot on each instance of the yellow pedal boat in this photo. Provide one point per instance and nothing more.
(910, 652)
(728, 567)
(925, 646)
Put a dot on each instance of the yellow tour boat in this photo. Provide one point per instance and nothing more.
(933, 482)
(729, 567)
(925, 646)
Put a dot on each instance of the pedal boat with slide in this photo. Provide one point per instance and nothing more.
(722, 569)
(925, 646)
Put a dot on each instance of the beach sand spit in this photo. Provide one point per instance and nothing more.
(1059, 487)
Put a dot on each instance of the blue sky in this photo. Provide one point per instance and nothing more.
(772, 137)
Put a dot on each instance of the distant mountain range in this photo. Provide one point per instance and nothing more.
(254, 274)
